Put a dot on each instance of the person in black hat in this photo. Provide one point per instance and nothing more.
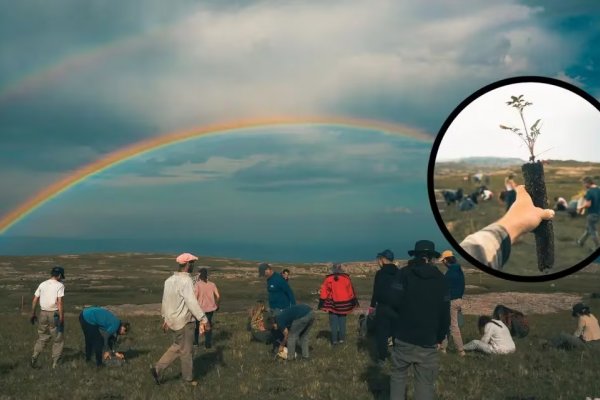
(588, 331)
(50, 295)
(422, 323)
(384, 314)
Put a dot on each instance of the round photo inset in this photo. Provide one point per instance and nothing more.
(512, 178)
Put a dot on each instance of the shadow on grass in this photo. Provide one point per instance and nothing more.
(208, 361)
(134, 353)
(377, 382)
(221, 335)
(323, 334)
(6, 367)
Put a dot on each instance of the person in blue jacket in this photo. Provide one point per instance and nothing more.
(100, 330)
(281, 296)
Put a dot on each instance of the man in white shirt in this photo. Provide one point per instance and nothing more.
(496, 338)
(50, 294)
(179, 310)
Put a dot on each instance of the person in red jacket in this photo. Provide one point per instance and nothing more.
(338, 299)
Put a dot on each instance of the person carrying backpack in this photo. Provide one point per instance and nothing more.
(419, 294)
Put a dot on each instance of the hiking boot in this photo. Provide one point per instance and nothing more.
(155, 376)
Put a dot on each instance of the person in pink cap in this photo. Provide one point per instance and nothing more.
(180, 310)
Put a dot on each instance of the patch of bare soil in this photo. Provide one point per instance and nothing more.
(528, 303)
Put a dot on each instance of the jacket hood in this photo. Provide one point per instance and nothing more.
(389, 269)
(425, 271)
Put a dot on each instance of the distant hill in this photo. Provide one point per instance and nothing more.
(484, 162)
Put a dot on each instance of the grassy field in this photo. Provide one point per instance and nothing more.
(237, 368)
(562, 179)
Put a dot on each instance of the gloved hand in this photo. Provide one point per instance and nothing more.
(33, 319)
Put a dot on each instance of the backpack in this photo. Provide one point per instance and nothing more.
(366, 325)
(515, 320)
(395, 295)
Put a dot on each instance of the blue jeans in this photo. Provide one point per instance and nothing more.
(337, 323)
(425, 362)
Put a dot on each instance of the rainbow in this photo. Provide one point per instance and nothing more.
(157, 142)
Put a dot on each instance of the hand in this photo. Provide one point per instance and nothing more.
(120, 356)
(281, 347)
(106, 355)
(523, 216)
(33, 319)
(165, 326)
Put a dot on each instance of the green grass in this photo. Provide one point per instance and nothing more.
(237, 368)
(523, 254)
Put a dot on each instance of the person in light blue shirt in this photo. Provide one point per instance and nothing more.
(100, 330)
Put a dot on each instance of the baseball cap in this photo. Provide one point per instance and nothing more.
(185, 258)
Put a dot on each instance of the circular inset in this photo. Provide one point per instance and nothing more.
(505, 157)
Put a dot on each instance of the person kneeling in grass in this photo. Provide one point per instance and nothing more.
(588, 331)
(294, 323)
(100, 330)
(496, 337)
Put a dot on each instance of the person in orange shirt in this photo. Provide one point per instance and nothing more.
(338, 298)
(208, 298)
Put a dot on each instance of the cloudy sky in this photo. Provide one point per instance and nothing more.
(569, 124)
(79, 80)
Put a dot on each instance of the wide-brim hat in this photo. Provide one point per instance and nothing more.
(424, 247)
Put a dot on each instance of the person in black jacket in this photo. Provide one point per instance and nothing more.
(384, 314)
(422, 323)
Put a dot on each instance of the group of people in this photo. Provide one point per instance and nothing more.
(101, 328)
(416, 308)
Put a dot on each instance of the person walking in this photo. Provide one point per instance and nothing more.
(592, 206)
(101, 329)
(51, 323)
(456, 281)
(384, 314)
(294, 323)
(337, 297)
(208, 298)
(179, 308)
(281, 296)
(423, 308)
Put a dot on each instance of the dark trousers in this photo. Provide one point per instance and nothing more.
(384, 318)
(425, 364)
(93, 340)
(207, 335)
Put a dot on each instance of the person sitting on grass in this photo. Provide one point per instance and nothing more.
(588, 331)
(101, 329)
(256, 323)
(496, 337)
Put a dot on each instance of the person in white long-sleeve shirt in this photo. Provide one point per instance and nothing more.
(496, 338)
(180, 310)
